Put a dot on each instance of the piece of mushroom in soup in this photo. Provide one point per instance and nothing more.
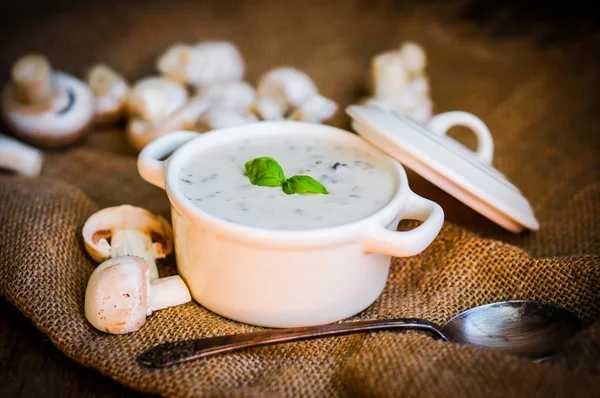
(359, 183)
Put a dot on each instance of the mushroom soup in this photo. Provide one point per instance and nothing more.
(359, 183)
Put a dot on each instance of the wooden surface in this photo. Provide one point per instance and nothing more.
(31, 366)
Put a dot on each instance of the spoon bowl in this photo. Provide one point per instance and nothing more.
(525, 328)
(531, 329)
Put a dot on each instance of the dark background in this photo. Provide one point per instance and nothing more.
(30, 365)
(551, 21)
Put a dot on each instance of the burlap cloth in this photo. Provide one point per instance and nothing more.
(541, 105)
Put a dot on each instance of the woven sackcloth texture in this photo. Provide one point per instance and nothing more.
(541, 104)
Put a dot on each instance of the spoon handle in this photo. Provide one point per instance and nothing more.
(168, 354)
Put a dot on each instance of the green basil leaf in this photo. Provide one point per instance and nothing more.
(303, 184)
(265, 171)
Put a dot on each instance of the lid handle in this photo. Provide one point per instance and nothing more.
(445, 121)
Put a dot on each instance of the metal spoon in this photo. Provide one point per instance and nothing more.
(525, 328)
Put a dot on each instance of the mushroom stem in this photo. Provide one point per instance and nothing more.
(131, 242)
(18, 157)
(102, 79)
(167, 292)
(110, 90)
(33, 78)
(389, 73)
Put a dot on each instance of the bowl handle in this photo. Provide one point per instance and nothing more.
(485, 143)
(408, 243)
(150, 166)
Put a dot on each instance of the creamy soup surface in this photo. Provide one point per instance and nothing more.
(359, 184)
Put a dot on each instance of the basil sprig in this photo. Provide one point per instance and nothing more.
(267, 172)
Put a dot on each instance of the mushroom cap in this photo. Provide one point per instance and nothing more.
(286, 84)
(61, 123)
(116, 298)
(99, 228)
(155, 98)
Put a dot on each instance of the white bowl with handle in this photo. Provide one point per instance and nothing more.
(285, 278)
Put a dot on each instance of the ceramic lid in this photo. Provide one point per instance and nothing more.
(466, 175)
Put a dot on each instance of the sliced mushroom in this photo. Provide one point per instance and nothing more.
(204, 64)
(46, 107)
(120, 295)
(18, 157)
(155, 98)
(128, 231)
(110, 90)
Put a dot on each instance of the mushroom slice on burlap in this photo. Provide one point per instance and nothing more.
(128, 231)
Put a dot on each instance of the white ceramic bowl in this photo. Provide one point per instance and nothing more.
(284, 278)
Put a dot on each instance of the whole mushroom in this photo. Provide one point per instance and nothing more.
(283, 90)
(220, 105)
(399, 82)
(203, 64)
(18, 157)
(140, 132)
(152, 102)
(120, 295)
(110, 90)
(155, 98)
(126, 287)
(44, 107)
